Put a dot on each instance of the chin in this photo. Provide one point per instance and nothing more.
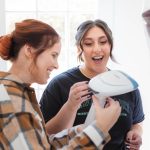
(42, 82)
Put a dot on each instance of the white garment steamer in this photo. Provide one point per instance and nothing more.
(109, 84)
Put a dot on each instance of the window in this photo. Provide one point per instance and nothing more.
(64, 16)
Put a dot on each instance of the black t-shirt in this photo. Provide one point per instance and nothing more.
(56, 94)
(131, 113)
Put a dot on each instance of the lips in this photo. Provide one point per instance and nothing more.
(97, 58)
(49, 71)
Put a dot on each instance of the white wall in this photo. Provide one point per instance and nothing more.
(3, 65)
(130, 50)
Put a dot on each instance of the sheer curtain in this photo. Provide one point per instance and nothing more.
(63, 15)
(130, 47)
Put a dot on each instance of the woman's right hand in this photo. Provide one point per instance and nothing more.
(79, 93)
(106, 117)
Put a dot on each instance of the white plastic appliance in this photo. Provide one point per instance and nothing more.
(109, 84)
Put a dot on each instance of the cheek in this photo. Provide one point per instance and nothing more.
(107, 50)
(43, 61)
(108, 53)
(86, 54)
(39, 70)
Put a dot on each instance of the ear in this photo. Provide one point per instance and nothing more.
(28, 51)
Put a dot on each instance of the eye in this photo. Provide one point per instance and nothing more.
(88, 44)
(102, 42)
(54, 55)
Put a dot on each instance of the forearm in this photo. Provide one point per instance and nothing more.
(62, 120)
(75, 138)
(137, 128)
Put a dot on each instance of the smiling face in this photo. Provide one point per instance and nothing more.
(96, 51)
(45, 63)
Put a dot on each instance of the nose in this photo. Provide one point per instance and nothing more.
(56, 65)
(97, 47)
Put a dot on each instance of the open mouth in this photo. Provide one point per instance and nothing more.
(97, 58)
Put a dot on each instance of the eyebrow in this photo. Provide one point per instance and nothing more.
(90, 38)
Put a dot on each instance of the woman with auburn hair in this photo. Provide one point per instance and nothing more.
(33, 48)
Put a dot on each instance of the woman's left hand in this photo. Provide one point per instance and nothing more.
(133, 140)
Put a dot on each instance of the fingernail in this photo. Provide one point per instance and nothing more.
(89, 97)
(127, 146)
